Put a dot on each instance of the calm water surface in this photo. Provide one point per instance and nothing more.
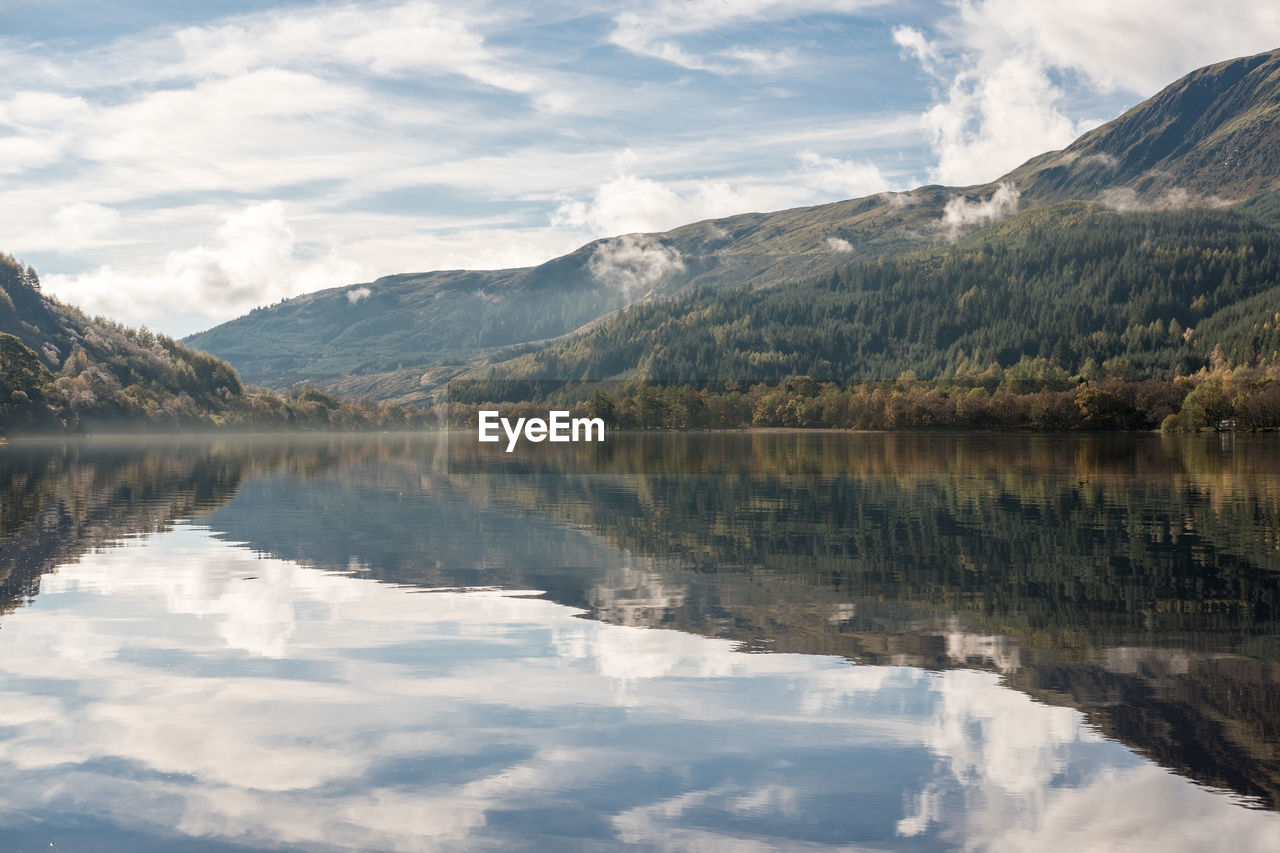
(687, 642)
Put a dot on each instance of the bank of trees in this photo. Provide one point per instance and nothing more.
(1032, 394)
(61, 370)
(176, 388)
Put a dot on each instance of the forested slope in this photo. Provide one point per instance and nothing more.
(61, 370)
(1075, 282)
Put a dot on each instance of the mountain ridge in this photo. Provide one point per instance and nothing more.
(1208, 138)
(1215, 118)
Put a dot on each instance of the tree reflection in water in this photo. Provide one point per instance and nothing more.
(1133, 579)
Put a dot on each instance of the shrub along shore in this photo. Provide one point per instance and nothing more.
(1241, 398)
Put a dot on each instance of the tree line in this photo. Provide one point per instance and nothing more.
(1032, 394)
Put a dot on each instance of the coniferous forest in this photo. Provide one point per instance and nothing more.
(1077, 285)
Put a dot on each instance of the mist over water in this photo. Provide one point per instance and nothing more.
(680, 641)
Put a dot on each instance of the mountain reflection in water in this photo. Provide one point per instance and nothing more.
(1059, 641)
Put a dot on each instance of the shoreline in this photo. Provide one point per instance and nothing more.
(37, 438)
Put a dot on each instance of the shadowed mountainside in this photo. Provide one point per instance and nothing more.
(1214, 132)
(1166, 291)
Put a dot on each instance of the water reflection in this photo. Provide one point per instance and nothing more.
(207, 682)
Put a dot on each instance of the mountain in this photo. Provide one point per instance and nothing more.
(396, 329)
(1072, 283)
(1207, 140)
(1213, 133)
(60, 369)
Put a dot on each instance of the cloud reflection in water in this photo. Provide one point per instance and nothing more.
(181, 687)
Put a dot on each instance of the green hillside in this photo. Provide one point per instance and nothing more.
(1213, 133)
(1072, 283)
(399, 327)
(1207, 139)
(61, 370)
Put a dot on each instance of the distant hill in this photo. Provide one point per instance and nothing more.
(1209, 139)
(413, 322)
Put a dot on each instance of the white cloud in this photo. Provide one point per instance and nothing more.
(626, 203)
(633, 263)
(767, 61)
(19, 153)
(81, 223)
(404, 38)
(960, 212)
(40, 108)
(401, 39)
(1176, 198)
(656, 31)
(913, 41)
(253, 260)
(845, 178)
(899, 199)
(1137, 46)
(483, 245)
(1006, 64)
(996, 117)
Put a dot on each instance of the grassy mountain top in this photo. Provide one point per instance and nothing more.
(1214, 132)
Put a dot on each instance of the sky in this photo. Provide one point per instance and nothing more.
(176, 165)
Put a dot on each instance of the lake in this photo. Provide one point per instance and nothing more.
(719, 642)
